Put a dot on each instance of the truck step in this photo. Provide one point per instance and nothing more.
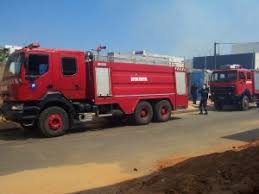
(105, 115)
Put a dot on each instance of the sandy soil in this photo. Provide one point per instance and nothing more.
(64, 179)
(232, 172)
(75, 178)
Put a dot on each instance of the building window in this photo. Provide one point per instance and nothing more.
(68, 66)
(37, 65)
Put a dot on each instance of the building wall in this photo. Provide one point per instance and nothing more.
(188, 63)
(247, 60)
(245, 48)
(256, 61)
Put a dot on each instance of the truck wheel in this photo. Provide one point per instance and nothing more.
(143, 113)
(53, 122)
(162, 111)
(218, 105)
(244, 103)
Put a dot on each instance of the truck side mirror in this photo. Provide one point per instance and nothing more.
(89, 55)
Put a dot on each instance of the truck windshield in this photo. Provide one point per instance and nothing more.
(13, 65)
(224, 76)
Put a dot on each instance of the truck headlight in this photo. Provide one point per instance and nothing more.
(17, 107)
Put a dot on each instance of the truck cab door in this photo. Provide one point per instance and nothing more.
(70, 75)
(242, 83)
(37, 75)
(249, 82)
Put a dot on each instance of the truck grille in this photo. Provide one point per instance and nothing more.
(222, 90)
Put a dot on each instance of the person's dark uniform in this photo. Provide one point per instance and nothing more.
(204, 97)
(194, 93)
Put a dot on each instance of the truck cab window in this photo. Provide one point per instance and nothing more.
(37, 64)
(242, 76)
(248, 75)
(68, 65)
(222, 76)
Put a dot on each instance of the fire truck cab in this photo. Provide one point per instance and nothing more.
(233, 85)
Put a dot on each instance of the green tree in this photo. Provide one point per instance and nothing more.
(3, 54)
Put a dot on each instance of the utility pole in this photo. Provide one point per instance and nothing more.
(205, 62)
(215, 55)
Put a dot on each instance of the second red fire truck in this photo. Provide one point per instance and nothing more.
(234, 85)
(50, 89)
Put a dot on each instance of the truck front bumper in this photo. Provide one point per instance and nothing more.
(19, 112)
(226, 99)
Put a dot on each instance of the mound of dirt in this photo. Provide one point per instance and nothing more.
(234, 171)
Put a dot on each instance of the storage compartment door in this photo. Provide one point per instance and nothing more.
(180, 83)
(103, 82)
(181, 90)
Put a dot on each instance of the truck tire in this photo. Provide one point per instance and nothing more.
(53, 122)
(143, 113)
(162, 111)
(244, 104)
(218, 105)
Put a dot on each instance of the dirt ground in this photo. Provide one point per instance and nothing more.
(127, 159)
(235, 171)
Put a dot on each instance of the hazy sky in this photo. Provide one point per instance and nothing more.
(175, 27)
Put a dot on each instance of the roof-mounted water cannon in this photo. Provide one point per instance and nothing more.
(141, 52)
(232, 66)
(100, 48)
(33, 45)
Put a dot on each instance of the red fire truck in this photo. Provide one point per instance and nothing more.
(50, 89)
(234, 85)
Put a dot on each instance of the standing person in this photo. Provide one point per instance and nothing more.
(194, 93)
(204, 91)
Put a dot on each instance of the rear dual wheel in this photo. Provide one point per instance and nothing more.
(162, 111)
(144, 112)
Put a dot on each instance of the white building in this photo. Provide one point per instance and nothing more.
(12, 48)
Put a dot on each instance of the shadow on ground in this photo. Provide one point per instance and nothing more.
(247, 136)
(214, 173)
(11, 131)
